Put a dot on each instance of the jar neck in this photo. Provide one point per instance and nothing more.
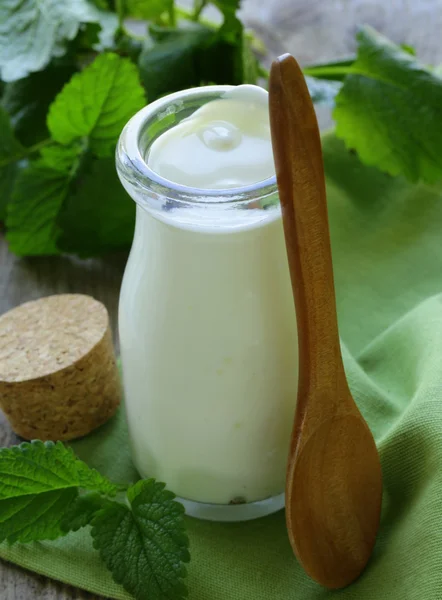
(171, 201)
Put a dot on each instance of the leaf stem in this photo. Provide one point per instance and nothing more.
(323, 71)
(172, 14)
(26, 152)
(186, 14)
(198, 9)
(119, 4)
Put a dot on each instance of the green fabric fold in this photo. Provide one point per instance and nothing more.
(386, 238)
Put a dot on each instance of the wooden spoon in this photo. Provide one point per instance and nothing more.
(334, 479)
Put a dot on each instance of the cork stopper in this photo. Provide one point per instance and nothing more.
(58, 375)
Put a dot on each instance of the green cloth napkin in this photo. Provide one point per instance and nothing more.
(387, 249)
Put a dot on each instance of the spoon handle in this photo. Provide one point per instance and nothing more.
(300, 174)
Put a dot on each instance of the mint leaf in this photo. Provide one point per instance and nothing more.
(9, 147)
(335, 70)
(408, 49)
(227, 7)
(81, 511)
(150, 11)
(97, 103)
(98, 216)
(64, 159)
(145, 546)
(250, 64)
(101, 4)
(39, 487)
(27, 101)
(34, 517)
(172, 63)
(37, 467)
(34, 31)
(197, 55)
(226, 60)
(88, 36)
(39, 193)
(389, 110)
(37, 197)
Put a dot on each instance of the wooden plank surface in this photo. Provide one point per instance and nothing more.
(313, 30)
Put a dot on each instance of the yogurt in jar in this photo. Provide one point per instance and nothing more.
(207, 320)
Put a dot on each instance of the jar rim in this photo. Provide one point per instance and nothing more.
(133, 166)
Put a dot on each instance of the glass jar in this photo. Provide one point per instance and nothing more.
(208, 331)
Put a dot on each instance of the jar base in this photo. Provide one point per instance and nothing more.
(233, 512)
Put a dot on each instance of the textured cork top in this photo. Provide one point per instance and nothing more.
(44, 336)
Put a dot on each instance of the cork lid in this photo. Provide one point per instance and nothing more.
(45, 336)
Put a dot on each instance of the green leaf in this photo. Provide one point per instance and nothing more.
(408, 49)
(336, 70)
(98, 215)
(27, 101)
(37, 197)
(101, 4)
(250, 64)
(227, 7)
(149, 10)
(35, 517)
(88, 36)
(224, 60)
(173, 64)
(128, 46)
(37, 467)
(34, 31)
(199, 55)
(97, 103)
(389, 110)
(39, 487)
(65, 159)
(82, 510)
(145, 546)
(9, 147)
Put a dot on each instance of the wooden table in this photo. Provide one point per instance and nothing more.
(313, 30)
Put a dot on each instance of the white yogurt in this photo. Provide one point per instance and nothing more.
(207, 320)
(226, 143)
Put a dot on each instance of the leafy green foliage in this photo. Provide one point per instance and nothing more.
(27, 101)
(65, 159)
(36, 467)
(47, 492)
(336, 70)
(96, 103)
(227, 7)
(197, 55)
(34, 31)
(85, 119)
(145, 546)
(150, 11)
(104, 225)
(389, 110)
(173, 63)
(38, 195)
(38, 484)
(73, 73)
(35, 517)
(81, 511)
(9, 146)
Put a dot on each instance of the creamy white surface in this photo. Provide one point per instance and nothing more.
(208, 338)
(224, 144)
